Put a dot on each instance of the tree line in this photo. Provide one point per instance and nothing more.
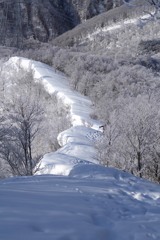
(27, 114)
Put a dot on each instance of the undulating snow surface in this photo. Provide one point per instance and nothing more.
(92, 202)
(77, 142)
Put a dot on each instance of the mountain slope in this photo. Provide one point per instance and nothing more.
(90, 8)
(92, 202)
(74, 37)
(39, 20)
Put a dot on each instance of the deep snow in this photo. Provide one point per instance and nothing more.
(77, 143)
(92, 202)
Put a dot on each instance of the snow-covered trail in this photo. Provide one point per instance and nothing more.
(92, 202)
(76, 142)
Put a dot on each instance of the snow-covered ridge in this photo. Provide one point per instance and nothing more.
(115, 26)
(93, 203)
(76, 142)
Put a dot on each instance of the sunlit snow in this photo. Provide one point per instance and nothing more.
(76, 145)
(92, 202)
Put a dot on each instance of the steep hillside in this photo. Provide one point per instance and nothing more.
(117, 65)
(39, 20)
(75, 36)
(90, 8)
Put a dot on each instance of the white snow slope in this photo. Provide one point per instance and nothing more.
(92, 202)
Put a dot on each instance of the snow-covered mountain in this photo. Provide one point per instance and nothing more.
(92, 202)
(41, 21)
(73, 197)
(37, 20)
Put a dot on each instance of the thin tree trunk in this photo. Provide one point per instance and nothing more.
(139, 163)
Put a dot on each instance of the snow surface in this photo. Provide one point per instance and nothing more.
(92, 202)
(77, 142)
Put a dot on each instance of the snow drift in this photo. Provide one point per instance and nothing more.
(92, 202)
(77, 142)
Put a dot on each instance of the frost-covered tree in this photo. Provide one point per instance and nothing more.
(18, 149)
(3, 134)
(151, 8)
(106, 144)
(33, 120)
(140, 127)
(132, 138)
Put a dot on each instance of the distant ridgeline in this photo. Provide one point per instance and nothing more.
(43, 20)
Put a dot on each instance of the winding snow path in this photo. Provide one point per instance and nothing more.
(93, 202)
(76, 142)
